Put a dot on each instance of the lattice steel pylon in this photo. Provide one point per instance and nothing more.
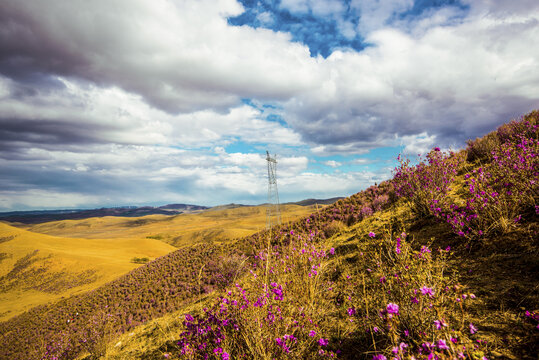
(273, 213)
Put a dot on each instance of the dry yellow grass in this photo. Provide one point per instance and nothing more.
(179, 230)
(38, 268)
(43, 263)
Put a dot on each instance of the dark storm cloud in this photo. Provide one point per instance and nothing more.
(179, 57)
(49, 133)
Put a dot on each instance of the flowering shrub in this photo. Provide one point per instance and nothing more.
(495, 195)
(59, 348)
(480, 148)
(96, 337)
(277, 311)
(403, 305)
(426, 182)
(294, 297)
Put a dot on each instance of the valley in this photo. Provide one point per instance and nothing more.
(42, 263)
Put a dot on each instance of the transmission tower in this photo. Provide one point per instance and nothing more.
(273, 213)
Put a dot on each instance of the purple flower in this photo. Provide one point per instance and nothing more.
(403, 346)
(332, 251)
(442, 345)
(290, 337)
(225, 356)
(323, 342)
(439, 324)
(424, 250)
(351, 311)
(398, 248)
(371, 234)
(379, 357)
(393, 308)
(473, 329)
(312, 333)
(427, 291)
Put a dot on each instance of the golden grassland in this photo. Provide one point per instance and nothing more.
(45, 262)
(38, 268)
(178, 230)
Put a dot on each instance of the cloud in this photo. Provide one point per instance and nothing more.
(417, 144)
(77, 115)
(317, 7)
(179, 56)
(428, 74)
(375, 14)
(105, 146)
(457, 81)
(332, 163)
(37, 198)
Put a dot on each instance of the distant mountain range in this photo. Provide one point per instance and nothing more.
(41, 216)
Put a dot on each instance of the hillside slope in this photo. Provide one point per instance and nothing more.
(36, 269)
(440, 262)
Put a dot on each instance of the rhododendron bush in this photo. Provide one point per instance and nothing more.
(492, 197)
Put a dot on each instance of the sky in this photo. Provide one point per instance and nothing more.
(136, 102)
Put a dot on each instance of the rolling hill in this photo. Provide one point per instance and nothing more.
(179, 230)
(37, 268)
(45, 262)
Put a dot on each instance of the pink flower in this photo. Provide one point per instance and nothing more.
(323, 342)
(442, 345)
(312, 333)
(473, 329)
(393, 308)
(371, 234)
(427, 291)
(439, 324)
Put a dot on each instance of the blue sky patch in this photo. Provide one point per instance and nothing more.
(324, 34)
(320, 34)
